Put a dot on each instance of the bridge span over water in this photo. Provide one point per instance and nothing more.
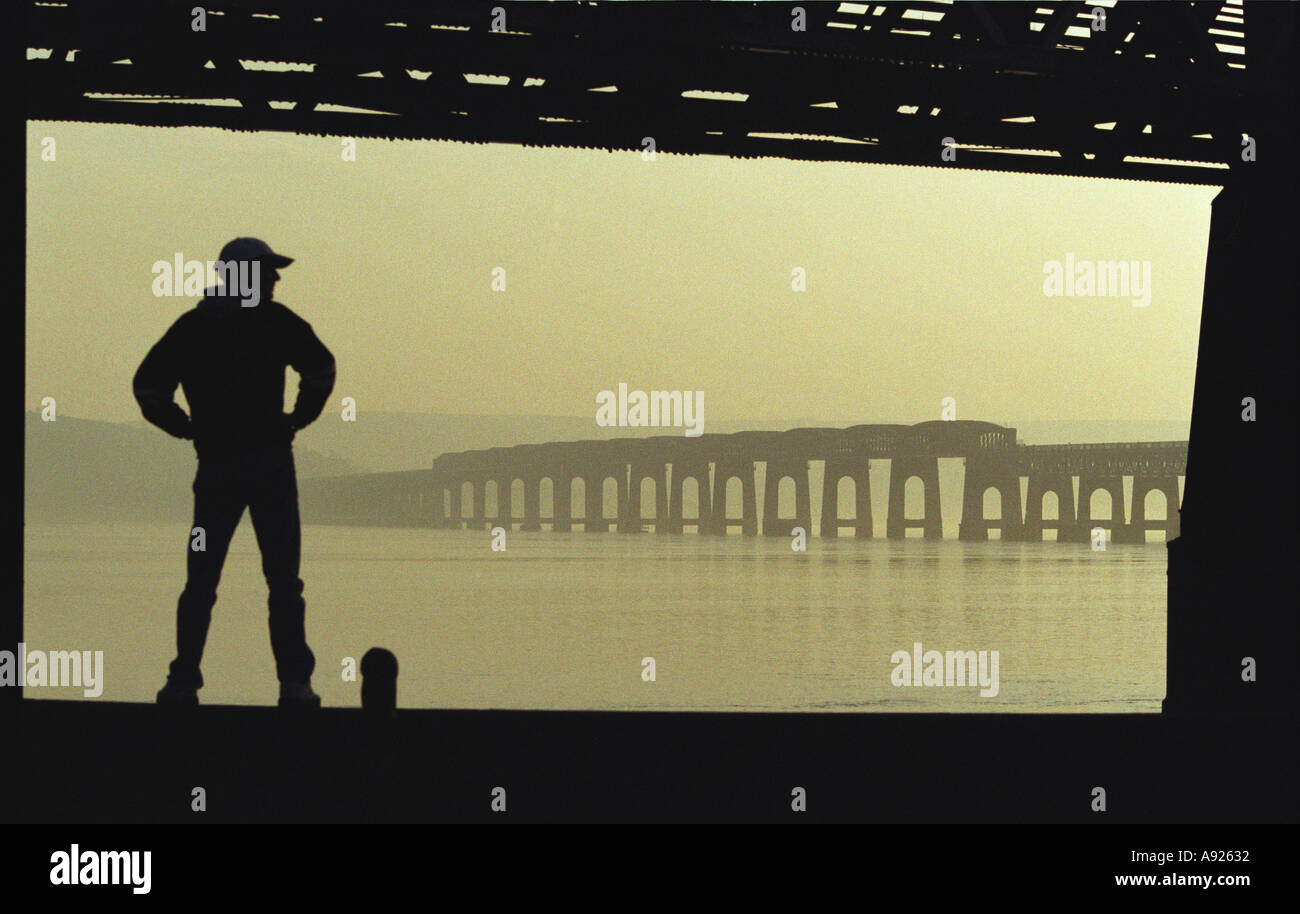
(653, 476)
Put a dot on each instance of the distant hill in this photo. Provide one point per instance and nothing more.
(83, 469)
(386, 442)
(389, 442)
(402, 441)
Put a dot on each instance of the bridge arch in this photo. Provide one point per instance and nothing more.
(741, 472)
(691, 485)
(467, 504)
(992, 503)
(692, 493)
(1148, 492)
(691, 481)
(546, 497)
(1050, 507)
(1101, 506)
(913, 497)
(991, 498)
(517, 489)
(734, 500)
(787, 491)
(846, 495)
(649, 492)
(578, 499)
(903, 468)
(609, 498)
(1155, 503)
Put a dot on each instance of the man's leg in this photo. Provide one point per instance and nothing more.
(273, 506)
(218, 505)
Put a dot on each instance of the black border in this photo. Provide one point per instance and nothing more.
(603, 767)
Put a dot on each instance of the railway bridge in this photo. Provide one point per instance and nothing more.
(651, 482)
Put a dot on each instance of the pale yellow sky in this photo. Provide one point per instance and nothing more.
(922, 283)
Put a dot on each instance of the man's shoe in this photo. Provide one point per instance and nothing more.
(298, 695)
(174, 696)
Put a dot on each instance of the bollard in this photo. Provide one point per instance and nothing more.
(379, 681)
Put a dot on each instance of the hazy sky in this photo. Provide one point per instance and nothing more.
(922, 283)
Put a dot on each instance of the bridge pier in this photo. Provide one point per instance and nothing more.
(1128, 534)
(562, 501)
(1073, 533)
(503, 518)
(451, 520)
(860, 472)
(448, 503)
(773, 523)
(743, 470)
(442, 509)
(533, 503)
(593, 504)
(478, 504)
(901, 469)
(680, 473)
(982, 475)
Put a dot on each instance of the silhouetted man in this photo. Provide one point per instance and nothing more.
(228, 354)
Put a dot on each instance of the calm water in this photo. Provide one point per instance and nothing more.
(564, 620)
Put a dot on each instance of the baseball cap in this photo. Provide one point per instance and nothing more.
(253, 249)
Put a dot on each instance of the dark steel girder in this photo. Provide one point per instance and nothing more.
(897, 94)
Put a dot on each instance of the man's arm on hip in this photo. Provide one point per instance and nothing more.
(155, 384)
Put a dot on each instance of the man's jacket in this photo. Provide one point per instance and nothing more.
(230, 362)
